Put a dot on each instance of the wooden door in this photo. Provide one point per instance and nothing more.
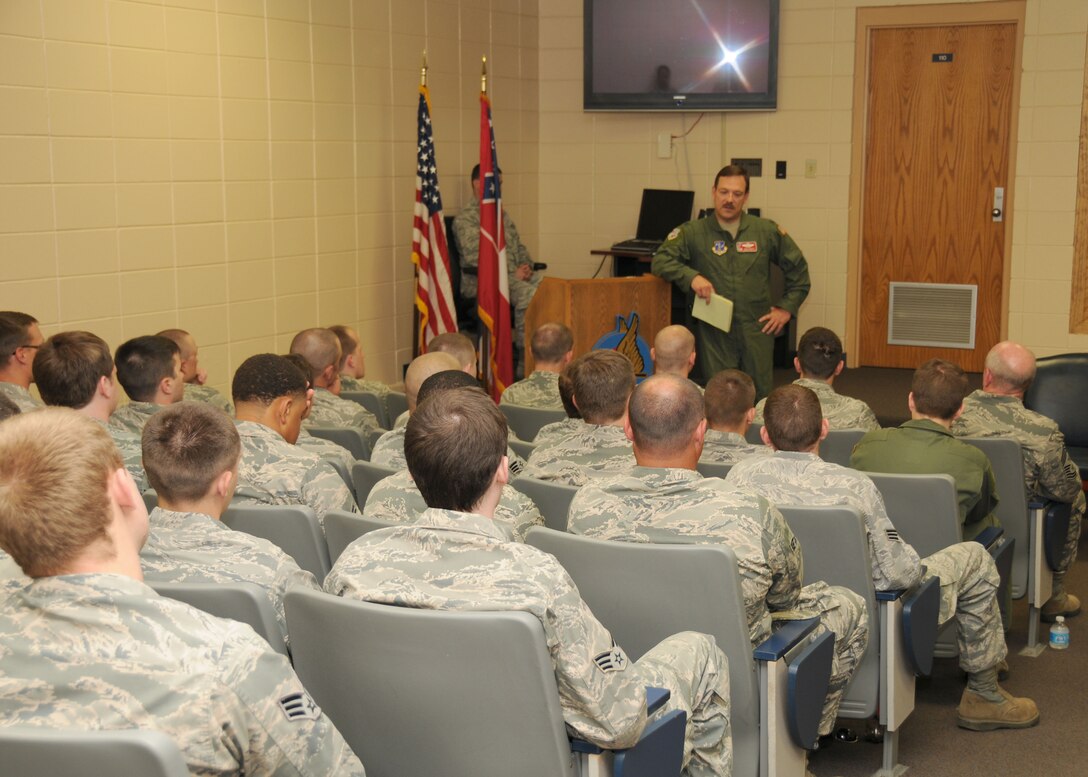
(938, 125)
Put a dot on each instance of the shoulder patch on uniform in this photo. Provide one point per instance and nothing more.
(614, 660)
(674, 234)
(299, 706)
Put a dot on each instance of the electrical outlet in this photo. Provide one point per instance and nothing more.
(664, 145)
(810, 168)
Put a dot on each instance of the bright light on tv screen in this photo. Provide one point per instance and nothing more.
(681, 54)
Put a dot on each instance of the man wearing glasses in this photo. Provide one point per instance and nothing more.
(20, 340)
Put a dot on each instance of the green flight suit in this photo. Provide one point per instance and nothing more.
(740, 270)
(923, 447)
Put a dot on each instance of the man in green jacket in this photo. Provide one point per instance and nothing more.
(924, 445)
(730, 254)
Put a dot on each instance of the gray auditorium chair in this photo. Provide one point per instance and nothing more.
(350, 437)
(645, 592)
(713, 469)
(479, 687)
(902, 624)
(32, 750)
(839, 444)
(294, 528)
(552, 499)
(925, 511)
(365, 476)
(752, 435)
(343, 528)
(527, 421)
(1034, 525)
(243, 602)
(371, 402)
(396, 404)
(522, 448)
(341, 470)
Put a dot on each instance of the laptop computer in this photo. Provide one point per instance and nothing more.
(662, 211)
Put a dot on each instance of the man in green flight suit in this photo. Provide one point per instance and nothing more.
(731, 254)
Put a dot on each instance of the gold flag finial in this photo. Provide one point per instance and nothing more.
(483, 77)
(423, 70)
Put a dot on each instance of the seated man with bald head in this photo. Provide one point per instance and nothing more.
(388, 451)
(729, 401)
(455, 557)
(997, 410)
(193, 375)
(819, 361)
(552, 348)
(75, 369)
(321, 349)
(396, 498)
(602, 381)
(353, 363)
(795, 475)
(87, 645)
(270, 398)
(665, 499)
(673, 351)
(149, 369)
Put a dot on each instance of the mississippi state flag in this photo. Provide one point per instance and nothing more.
(493, 295)
(430, 254)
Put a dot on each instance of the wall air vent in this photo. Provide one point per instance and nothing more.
(938, 315)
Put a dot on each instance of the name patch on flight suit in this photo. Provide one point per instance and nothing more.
(748, 247)
(719, 248)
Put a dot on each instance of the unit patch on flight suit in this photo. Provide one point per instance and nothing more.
(719, 248)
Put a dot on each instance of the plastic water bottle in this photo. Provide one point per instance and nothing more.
(1059, 634)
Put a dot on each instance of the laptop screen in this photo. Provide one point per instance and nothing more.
(663, 210)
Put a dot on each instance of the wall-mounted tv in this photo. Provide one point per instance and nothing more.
(687, 55)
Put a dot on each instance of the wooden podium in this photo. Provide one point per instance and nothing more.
(589, 306)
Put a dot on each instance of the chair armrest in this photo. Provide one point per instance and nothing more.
(784, 639)
(988, 537)
(1036, 503)
(659, 751)
(809, 678)
(655, 699)
(1056, 518)
(921, 614)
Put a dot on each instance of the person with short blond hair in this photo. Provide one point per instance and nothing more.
(673, 351)
(75, 369)
(20, 339)
(85, 633)
(601, 383)
(191, 453)
(194, 376)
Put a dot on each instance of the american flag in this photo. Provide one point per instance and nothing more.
(430, 254)
(493, 295)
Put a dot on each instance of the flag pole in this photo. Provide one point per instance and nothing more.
(484, 354)
(423, 70)
(483, 77)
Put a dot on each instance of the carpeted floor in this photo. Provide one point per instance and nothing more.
(931, 744)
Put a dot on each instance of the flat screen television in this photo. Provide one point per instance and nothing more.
(686, 55)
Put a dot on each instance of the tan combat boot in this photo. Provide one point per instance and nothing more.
(979, 714)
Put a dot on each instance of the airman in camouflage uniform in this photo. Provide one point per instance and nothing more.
(352, 365)
(841, 412)
(22, 397)
(540, 389)
(321, 350)
(194, 392)
(132, 417)
(729, 448)
(584, 453)
(819, 361)
(274, 472)
(229, 702)
(601, 691)
(968, 577)
(149, 369)
(20, 338)
(330, 410)
(651, 504)
(196, 548)
(396, 498)
(997, 410)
